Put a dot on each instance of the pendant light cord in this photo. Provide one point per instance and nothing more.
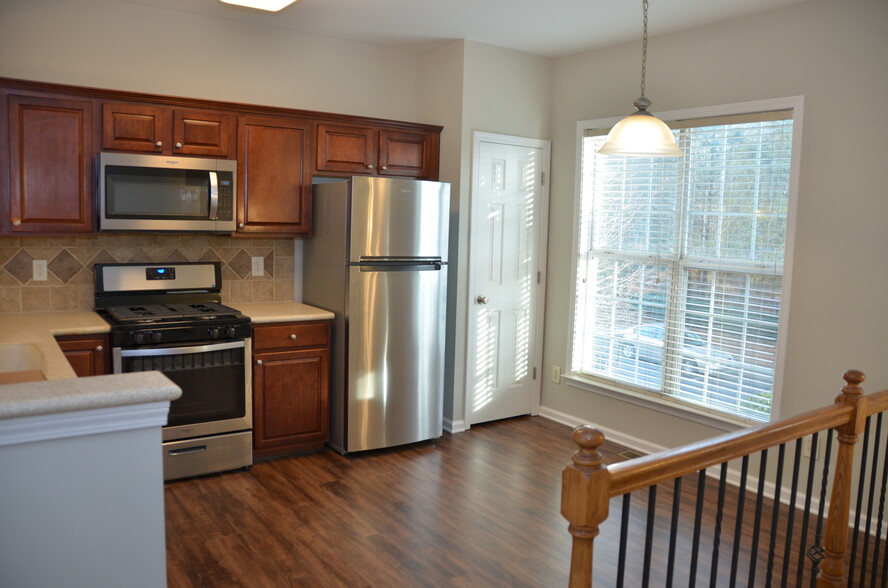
(644, 45)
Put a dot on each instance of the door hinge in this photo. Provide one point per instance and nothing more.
(542, 178)
(534, 373)
(539, 274)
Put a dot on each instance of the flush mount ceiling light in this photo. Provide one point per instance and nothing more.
(269, 5)
(641, 134)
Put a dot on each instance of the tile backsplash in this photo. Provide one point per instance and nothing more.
(70, 260)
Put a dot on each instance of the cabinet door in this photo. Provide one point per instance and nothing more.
(290, 411)
(50, 182)
(134, 127)
(274, 176)
(410, 155)
(344, 149)
(198, 132)
(89, 355)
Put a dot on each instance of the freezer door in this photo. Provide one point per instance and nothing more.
(395, 369)
(398, 218)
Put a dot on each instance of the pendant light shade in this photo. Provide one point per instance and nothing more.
(641, 134)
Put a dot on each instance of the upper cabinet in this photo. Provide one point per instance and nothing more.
(46, 185)
(359, 150)
(53, 134)
(156, 129)
(274, 176)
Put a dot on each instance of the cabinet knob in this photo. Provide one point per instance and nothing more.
(159, 144)
(292, 335)
(17, 222)
(383, 168)
(240, 225)
(370, 166)
(178, 145)
(100, 348)
(258, 362)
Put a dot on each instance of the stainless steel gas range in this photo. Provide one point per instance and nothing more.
(169, 318)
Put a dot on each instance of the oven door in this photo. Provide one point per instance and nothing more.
(214, 381)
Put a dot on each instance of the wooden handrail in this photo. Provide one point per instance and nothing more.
(588, 485)
(629, 476)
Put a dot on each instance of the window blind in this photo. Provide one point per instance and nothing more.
(680, 264)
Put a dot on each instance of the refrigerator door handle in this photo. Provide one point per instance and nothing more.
(411, 260)
(399, 267)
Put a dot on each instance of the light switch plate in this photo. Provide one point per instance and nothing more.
(258, 266)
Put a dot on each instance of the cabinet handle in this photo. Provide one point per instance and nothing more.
(178, 145)
(159, 144)
(16, 223)
(370, 166)
(240, 225)
(258, 362)
(100, 348)
(292, 335)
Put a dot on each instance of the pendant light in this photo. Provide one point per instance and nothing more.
(641, 134)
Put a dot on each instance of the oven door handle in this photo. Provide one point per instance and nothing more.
(180, 350)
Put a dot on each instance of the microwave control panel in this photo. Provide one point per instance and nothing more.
(226, 197)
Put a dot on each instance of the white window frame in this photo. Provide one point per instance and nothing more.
(712, 418)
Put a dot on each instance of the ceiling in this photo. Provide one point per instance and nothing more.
(550, 28)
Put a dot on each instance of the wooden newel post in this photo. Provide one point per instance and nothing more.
(585, 492)
(835, 540)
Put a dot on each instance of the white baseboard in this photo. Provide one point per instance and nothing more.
(454, 427)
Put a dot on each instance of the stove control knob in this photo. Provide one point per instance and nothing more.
(231, 332)
(138, 338)
(214, 332)
(156, 336)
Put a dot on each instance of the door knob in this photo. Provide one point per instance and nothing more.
(481, 299)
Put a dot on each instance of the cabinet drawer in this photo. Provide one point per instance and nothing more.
(291, 335)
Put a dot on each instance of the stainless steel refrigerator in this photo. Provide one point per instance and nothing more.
(377, 259)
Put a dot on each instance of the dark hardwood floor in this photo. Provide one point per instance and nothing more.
(478, 509)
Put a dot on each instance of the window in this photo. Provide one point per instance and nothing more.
(681, 263)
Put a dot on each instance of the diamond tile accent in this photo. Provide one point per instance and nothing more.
(64, 266)
(241, 264)
(175, 256)
(21, 266)
(102, 256)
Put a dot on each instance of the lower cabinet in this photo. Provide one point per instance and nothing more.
(291, 381)
(89, 355)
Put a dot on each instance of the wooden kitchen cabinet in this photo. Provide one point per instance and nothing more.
(46, 172)
(157, 129)
(354, 150)
(89, 355)
(274, 176)
(291, 381)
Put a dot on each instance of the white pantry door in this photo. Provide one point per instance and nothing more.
(506, 276)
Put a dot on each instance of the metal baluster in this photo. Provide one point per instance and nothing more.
(879, 521)
(673, 531)
(790, 520)
(871, 499)
(757, 521)
(860, 489)
(775, 515)
(716, 534)
(649, 536)
(738, 525)
(812, 462)
(624, 532)
(698, 522)
(816, 552)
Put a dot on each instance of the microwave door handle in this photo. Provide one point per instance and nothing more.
(214, 195)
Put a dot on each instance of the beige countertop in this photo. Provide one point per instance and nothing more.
(39, 329)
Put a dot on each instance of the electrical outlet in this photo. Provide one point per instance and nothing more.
(258, 266)
(556, 374)
(39, 270)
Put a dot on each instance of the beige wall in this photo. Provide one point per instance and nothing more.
(834, 54)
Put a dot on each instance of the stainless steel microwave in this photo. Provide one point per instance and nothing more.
(158, 193)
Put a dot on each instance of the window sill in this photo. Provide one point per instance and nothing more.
(702, 416)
